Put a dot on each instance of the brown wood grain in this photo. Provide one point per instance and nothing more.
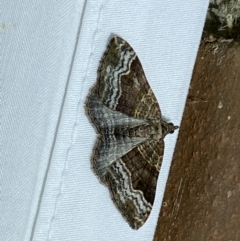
(201, 200)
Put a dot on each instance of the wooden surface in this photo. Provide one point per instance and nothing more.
(202, 196)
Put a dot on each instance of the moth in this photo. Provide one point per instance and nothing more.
(129, 149)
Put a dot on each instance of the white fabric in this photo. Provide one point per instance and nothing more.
(50, 51)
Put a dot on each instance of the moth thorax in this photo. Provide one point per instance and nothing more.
(151, 131)
(156, 131)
